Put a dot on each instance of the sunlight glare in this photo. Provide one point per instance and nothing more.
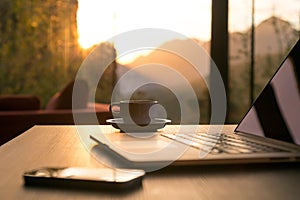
(95, 22)
(99, 21)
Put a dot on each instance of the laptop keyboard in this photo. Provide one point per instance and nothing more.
(221, 143)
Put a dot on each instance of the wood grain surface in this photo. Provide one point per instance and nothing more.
(60, 146)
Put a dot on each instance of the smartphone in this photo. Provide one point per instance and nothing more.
(85, 178)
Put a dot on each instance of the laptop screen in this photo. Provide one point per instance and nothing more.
(276, 111)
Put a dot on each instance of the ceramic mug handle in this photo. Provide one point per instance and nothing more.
(114, 105)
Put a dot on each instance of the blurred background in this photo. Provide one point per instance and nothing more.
(43, 44)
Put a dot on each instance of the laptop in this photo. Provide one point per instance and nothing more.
(269, 132)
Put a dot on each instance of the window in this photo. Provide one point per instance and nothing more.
(276, 29)
(44, 43)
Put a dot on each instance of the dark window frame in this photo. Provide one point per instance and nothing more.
(219, 50)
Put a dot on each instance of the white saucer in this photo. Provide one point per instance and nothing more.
(152, 127)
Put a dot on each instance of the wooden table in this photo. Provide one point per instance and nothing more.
(60, 146)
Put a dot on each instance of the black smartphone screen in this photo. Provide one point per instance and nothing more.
(85, 178)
